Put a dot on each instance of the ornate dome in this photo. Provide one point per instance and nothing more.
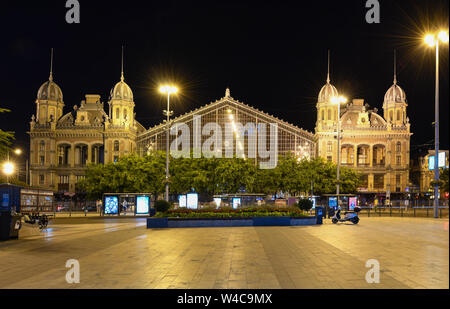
(122, 91)
(395, 94)
(327, 92)
(50, 91)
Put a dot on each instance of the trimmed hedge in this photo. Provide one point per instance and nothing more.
(232, 213)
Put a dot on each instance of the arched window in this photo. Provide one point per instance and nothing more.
(124, 114)
(329, 114)
(391, 116)
(398, 147)
(398, 115)
(117, 113)
(116, 145)
(323, 115)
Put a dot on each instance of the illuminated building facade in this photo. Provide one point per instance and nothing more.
(426, 173)
(378, 147)
(241, 130)
(62, 145)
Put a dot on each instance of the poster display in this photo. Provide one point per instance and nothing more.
(236, 202)
(142, 204)
(352, 203)
(182, 200)
(218, 201)
(441, 162)
(332, 202)
(111, 205)
(192, 200)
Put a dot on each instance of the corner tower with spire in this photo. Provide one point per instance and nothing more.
(49, 101)
(121, 103)
(326, 110)
(394, 105)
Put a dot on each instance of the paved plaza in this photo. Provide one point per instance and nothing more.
(122, 253)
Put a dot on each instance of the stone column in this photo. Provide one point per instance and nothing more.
(370, 179)
(72, 159)
(371, 157)
(89, 154)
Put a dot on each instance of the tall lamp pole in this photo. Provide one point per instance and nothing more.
(338, 100)
(167, 89)
(432, 40)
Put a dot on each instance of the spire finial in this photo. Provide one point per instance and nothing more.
(395, 67)
(51, 65)
(122, 77)
(328, 72)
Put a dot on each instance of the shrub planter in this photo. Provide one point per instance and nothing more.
(271, 221)
(228, 222)
(304, 221)
(156, 223)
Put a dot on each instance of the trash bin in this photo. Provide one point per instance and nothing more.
(9, 225)
(5, 224)
(16, 224)
(319, 214)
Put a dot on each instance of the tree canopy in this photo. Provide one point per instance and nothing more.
(6, 137)
(209, 176)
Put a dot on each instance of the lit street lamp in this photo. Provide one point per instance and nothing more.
(338, 100)
(8, 169)
(167, 89)
(432, 40)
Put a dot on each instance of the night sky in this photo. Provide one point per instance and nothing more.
(271, 54)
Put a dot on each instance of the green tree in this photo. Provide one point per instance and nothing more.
(443, 184)
(6, 137)
(234, 174)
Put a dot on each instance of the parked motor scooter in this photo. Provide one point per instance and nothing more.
(351, 216)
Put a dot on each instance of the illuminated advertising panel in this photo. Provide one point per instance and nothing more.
(236, 202)
(111, 205)
(332, 201)
(441, 162)
(314, 203)
(352, 203)
(192, 200)
(182, 202)
(142, 204)
(218, 201)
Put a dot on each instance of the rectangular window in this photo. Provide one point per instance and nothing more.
(41, 179)
(42, 160)
(329, 158)
(329, 147)
(79, 178)
(116, 158)
(63, 179)
(399, 160)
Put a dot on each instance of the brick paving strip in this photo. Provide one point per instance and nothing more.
(413, 253)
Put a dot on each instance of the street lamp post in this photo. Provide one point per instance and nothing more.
(167, 90)
(338, 100)
(433, 41)
(8, 169)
